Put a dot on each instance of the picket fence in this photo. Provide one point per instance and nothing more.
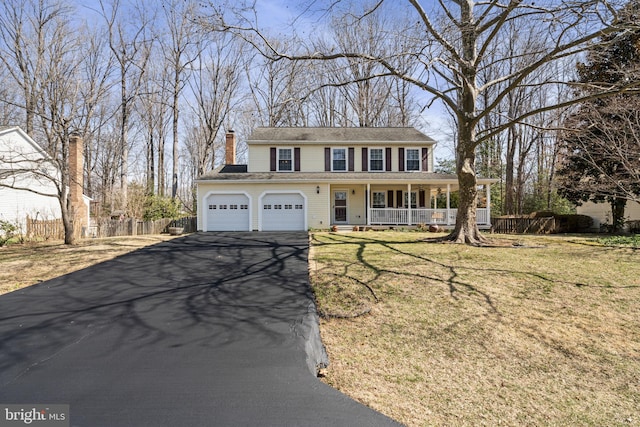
(54, 229)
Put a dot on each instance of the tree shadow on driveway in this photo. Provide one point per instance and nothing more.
(196, 321)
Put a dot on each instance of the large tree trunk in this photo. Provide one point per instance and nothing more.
(67, 221)
(466, 229)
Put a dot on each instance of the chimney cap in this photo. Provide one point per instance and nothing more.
(231, 131)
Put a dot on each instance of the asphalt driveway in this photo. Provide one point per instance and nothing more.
(213, 329)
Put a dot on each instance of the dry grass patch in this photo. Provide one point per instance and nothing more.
(26, 264)
(542, 334)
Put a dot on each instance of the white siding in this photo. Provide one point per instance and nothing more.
(312, 156)
(17, 150)
(601, 212)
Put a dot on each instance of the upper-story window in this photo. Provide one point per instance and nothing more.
(285, 159)
(376, 159)
(338, 159)
(412, 159)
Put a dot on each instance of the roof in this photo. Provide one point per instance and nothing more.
(317, 135)
(6, 130)
(354, 177)
(234, 169)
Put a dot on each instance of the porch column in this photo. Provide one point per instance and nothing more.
(409, 203)
(488, 188)
(448, 204)
(368, 202)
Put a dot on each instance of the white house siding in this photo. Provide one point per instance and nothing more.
(16, 204)
(316, 204)
(312, 155)
(258, 158)
(601, 212)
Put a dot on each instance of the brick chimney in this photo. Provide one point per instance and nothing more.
(76, 182)
(230, 148)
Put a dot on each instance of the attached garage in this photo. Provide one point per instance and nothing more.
(283, 212)
(228, 212)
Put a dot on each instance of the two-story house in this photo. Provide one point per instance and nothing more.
(302, 178)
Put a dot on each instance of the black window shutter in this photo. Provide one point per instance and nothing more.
(389, 198)
(425, 159)
(327, 159)
(421, 198)
(352, 155)
(399, 202)
(365, 159)
(296, 159)
(401, 159)
(272, 159)
(388, 159)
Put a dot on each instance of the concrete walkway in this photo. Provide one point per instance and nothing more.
(213, 329)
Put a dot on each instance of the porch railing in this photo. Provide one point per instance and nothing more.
(393, 216)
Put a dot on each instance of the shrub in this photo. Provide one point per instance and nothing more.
(157, 207)
(7, 232)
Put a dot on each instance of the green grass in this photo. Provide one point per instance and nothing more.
(438, 334)
(631, 241)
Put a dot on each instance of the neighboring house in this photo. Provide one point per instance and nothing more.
(601, 213)
(28, 179)
(302, 178)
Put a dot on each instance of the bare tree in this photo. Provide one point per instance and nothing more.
(26, 27)
(130, 44)
(450, 43)
(180, 49)
(214, 84)
(276, 91)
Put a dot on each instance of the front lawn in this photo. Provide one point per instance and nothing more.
(545, 332)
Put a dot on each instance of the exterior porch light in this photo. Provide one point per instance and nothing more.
(317, 189)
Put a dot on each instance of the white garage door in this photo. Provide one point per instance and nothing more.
(227, 212)
(282, 212)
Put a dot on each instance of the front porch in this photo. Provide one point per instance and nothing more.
(408, 205)
(417, 216)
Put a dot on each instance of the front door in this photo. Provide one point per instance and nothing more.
(340, 206)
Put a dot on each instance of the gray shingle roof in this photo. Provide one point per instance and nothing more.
(328, 176)
(310, 135)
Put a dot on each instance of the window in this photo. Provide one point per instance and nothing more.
(379, 199)
(244, 207)
(376, 159)
(338, 159)
(267, 206)
(212, 207)
(233, 207)
(285, 156)
(223, 206)
(288, 206)
(413, 200)
(412, 159)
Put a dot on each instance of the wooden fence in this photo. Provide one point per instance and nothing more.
(54, 229)
(522, 225)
